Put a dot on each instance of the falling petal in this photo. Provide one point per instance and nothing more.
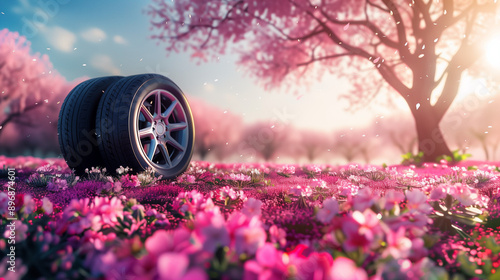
(346, 26)
(417, 106)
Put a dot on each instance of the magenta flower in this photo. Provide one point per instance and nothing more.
(267, 265)
(277, 235)
(345, 269)
(128, 181)
(398, 245)
(329, 210)
(362, 230)
(108, 210)
(57, 185)
(175, 266)
(363, 200)
(47, 206)
(20, 230)
(417, 201)
(438, 193)
(392, 199)
(249, 239)
(29, 204)
(210, 228)
(315, 265)
(251, 207)
(226, 192)
(163, 241)
(4, 203)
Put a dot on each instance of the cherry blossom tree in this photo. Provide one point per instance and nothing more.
(347, 144)
(399, 132)
(266, 139)
(27, 83)
(311, 144)
(217, 130)
(418, 48)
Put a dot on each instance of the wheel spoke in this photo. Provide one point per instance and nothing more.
(146, 132)
(146, 113)
(158, 104)
(170, 109)
(152, 148)
(177, 126)
(165, 154)
(175, 144)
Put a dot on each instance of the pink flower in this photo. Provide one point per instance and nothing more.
(464, 194)
(19, 233)
(191, 202)
(210, 228)
(398, 245)
(128, 181)
(163, 241)
(108, 210)
(392, 199)
(251, 207)
(418, 250)
(301, 191)
(29, 204)
(363, 200)
(345, 269)
(57, 185)
(47, 206)
(226, 192)
(4, 203)
(174, 266)
(438, 193)
(267, 265)
(247, 232)
(249, 239)
(329, 210)
(313, 265)
(277, 235)
(362, 230)
(417, 201)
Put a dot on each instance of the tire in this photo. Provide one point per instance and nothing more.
(76, 124)
(131, 132)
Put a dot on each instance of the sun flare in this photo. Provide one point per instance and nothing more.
(492, 52)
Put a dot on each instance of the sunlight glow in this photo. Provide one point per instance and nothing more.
(492, 54)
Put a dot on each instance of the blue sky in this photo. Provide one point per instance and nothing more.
(99, 38)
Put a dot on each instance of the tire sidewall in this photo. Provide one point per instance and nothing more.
(159, 83)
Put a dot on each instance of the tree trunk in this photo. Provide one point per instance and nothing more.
(430, 138)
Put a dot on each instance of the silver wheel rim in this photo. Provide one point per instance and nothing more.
(162, 129)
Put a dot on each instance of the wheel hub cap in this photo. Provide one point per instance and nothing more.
(160, 128)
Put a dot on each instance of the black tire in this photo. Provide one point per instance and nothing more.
(76, 124)
(128, 109)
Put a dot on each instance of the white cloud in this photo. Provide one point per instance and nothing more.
(59, 38)
(104, 63)
(119, 40)
(93, 35)
(23, 8)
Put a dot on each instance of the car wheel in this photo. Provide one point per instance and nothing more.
(76, 124)
(144, 121)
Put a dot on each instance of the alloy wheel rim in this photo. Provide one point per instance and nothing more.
(162, 129)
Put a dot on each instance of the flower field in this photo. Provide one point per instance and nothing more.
(250, 221)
